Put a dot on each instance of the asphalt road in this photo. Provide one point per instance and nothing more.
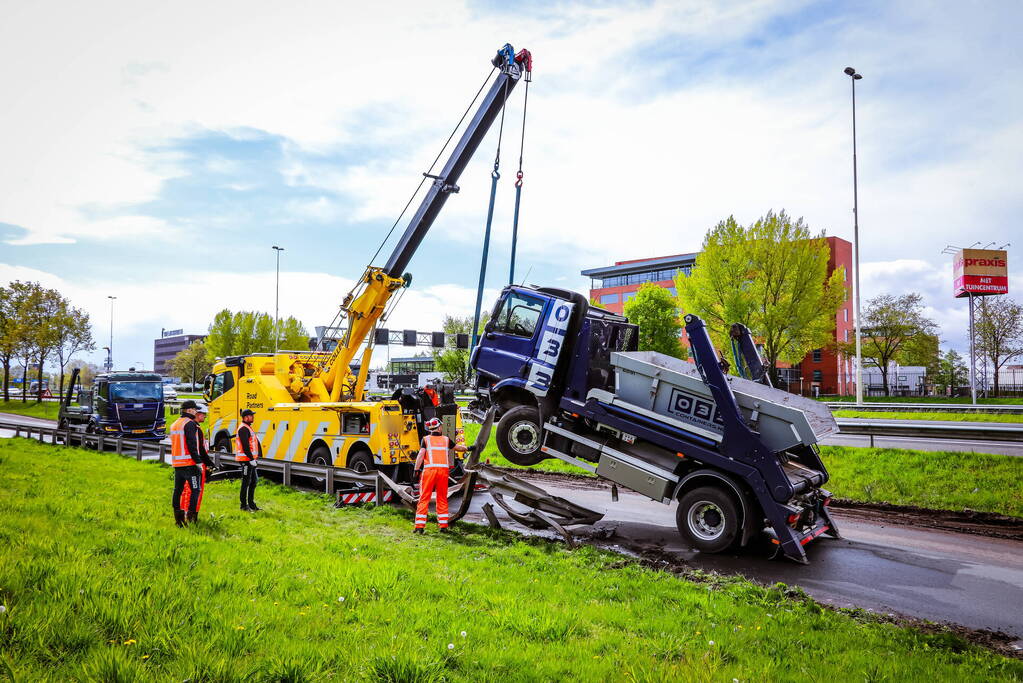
(936, 575)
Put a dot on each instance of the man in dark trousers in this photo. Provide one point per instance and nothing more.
(246, 449)
(188, 455)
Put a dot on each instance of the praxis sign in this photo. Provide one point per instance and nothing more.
(980, 272)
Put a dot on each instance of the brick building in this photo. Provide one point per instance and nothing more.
(823, 369)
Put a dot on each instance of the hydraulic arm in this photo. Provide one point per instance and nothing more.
(364, 307)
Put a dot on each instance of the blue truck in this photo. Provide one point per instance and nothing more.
(128, 404)
(737, 456)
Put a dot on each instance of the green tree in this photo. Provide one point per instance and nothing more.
(655, 310)
(193, 362)
(452, 361)
(999, 331)
(892, 326)
(771, 276)
(242, 332)
(293, 335)
(222, 339)
(951, 373)
(72, 334)
(8, 335)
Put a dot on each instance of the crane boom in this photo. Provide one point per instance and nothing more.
(364, 310)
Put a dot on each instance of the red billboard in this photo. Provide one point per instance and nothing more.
(980, 272)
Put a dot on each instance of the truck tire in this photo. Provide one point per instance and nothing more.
(361, 461)
(708, 518)
(320, 456)
(519, 436)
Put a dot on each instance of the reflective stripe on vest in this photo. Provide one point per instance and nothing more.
(239, 451)
(179, 455)
(436, 451)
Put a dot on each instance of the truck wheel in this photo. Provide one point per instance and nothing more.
(709, 519)
(361, 461)
(519, 436)
(321, 456)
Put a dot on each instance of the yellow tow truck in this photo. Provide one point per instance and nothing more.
(309, 406)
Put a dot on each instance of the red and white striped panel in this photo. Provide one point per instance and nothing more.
(356, 498)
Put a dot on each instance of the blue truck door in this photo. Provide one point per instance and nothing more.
(547, 352)
(509, 343)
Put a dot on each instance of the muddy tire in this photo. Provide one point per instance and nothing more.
(708, 517)
(519, 436)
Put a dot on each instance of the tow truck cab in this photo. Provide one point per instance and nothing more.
(120, 403)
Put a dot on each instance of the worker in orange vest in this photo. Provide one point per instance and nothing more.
(436, 458)
(246, 449)
(188, 456)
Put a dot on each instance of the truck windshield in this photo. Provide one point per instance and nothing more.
(136, 391)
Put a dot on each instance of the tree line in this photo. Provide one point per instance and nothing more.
(237, 333)
(37, 325)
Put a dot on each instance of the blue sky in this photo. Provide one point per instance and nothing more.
(157, 153)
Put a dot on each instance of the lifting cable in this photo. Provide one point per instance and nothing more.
(353, 292)
(518, 178)
(495, 175)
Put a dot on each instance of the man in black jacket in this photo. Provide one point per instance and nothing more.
(246, 449)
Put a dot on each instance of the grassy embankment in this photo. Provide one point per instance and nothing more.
(48, 410)
(941, 480)
(106, 588)
(1003, 400)
(949, 417)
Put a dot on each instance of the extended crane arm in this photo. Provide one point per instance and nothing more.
(364, 310)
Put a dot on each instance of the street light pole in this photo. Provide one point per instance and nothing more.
(853, 77)
(110, 354)
(277, 297)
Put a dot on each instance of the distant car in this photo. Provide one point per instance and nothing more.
(169, 392)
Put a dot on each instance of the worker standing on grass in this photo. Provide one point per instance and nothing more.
(436, 458)
(246, 449)
(188, 456)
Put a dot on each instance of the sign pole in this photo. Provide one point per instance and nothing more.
(973, 355)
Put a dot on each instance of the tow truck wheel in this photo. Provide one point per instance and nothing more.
(519, 436)
(361, 462)
(709, 519)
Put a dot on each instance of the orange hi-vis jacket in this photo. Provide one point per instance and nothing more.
(239, 446)
(436, 451)
(179, 455)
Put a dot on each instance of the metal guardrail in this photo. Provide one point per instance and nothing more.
(334, 479)
(979, 431)
(993, 409)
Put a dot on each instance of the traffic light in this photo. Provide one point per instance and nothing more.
(438, 340)
(462, 341)
(381, 336)
(408, 337)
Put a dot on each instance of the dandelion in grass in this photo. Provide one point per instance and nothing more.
(451, 646)
(463, 634)
(341, 598)
(710, 642)
(130, 641)
(239, 627)
(3, 609)
(145, 656)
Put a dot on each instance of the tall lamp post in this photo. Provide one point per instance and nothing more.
(110, 349)
(277, 297)
(853, 77)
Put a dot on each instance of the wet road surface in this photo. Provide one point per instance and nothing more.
(929, 574)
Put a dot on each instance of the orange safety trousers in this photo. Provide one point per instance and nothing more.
(186, 494)
(434, 479)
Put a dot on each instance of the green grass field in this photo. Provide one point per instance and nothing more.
(943, 480)
(1003, 400)
(46, 410)
(951, 417)
(98, 585)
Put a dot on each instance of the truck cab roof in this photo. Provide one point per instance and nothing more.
(128, 377)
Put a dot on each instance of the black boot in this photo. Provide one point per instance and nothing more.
(179, 517)
(417, 530)
(254, 508)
